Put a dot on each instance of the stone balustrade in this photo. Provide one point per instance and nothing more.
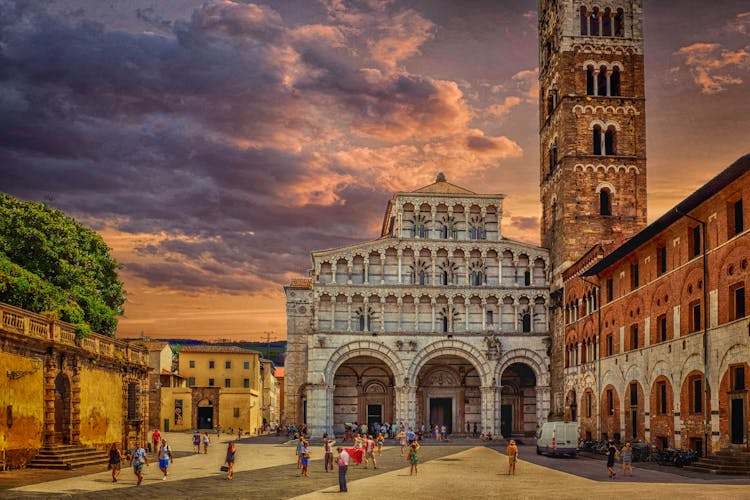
(21, 322)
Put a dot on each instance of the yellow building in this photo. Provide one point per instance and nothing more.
(270, 386)
(225, 385)
(169, 398)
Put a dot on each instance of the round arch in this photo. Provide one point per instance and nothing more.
(525, 356)
(364, 348)
(449, 348)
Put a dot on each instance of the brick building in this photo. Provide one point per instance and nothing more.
(657, 336)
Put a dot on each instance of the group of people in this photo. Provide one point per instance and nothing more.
(626, 454)
(199, 440)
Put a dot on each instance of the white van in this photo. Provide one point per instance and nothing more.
(557, 438)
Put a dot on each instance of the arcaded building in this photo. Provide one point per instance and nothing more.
(441, 320)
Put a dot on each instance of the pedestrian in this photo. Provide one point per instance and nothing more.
(512, 452)
(218, 433)
(206, 442)
(379, 442)
(394, 430)
(363, 429)
(413, 458)
(328, 449)
(298, 451)
(444, 432)
(402, 441)
(370, 451)
(305, 456)
(165, 457)
(231, 453)
(239, 433)
(437, 432)
(196, 442)
(138, 457)
(475, 430)
(156, 439)
(115, 462)
(611, 456)
(343, 463)
(627, 459)
(410, 436)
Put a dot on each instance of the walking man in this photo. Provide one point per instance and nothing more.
(137, 458)
(512, 452)
(156, 439)
(329, 454)
(165, 457)
(611, 455)
(370, 451)
(343, 462)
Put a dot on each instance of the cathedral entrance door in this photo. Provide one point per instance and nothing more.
(506, 420)
(738, 421)
(441, 412)
(374, 414)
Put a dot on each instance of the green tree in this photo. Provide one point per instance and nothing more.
(50, 263)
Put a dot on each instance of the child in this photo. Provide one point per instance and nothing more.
(512, 452)
(413, 458)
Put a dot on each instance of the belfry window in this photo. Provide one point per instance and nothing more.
(614, 82)
(422, 231)
(594, 22)
(607, 22)
(619, 23)
(601, 82)
(526, 323)
(584, 21)
(597, 140)
(421, 277)
(590, 80)
(364, 322)
(610, 141)
(605, 202)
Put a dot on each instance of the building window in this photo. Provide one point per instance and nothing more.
(610, 345)
(695, 316)
(634, 344)
(661, 398)
(594, 22)
(620, 23)
(737, 301)
(735, 220)
(661, 260)
(227, 365)
(526, 323)
(610, 402)
(210, 364)
(210, 382)
(614, 82)
(246, 383)
(610, 141)
(738, 378)
(633, 394)
(597, 140)
(246, 365)
(227, 382)
(610, 289)
(605, 202)
(607, 22)
(634, 278)
(590, 80)
(694, 237)
(236, 413)
(601, 82)
(191, 381)
(490, 318)
(661, 328)
(696, 395)
(588, 405)
(421, 277)
(191, 363)
(584, 21)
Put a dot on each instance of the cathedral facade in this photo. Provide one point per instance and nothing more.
(441, 320)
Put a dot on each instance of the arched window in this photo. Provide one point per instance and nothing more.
(607, 22)
(421, 277)
(620, 23)
(527, 278)
(594, 25)
(526, 320)
(364, 322)
(422, 231)
(444, 277)
(553, 156)
(550, 104)
(490, 318)
(614, 82)
(597, 140)
(444, 232)
(473, 233)
(584, 21)
(590, 80)
(601, 81)
(605, 202)
(445, 323)
(610, 141)
(480, 233)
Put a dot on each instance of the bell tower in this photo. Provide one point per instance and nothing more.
(592, 127)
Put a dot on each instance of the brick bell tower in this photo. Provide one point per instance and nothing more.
(592, 127)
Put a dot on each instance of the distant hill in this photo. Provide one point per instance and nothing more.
(274, 350)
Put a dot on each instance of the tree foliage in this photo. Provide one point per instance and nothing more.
(50, 263)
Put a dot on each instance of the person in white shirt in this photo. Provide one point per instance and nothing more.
(343, 462)
(165, 457)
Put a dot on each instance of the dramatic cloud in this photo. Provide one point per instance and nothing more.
(740, 24)
(714, 67)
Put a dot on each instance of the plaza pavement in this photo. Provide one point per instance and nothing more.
(266, 469)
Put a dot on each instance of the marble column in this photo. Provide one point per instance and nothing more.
(489, 410)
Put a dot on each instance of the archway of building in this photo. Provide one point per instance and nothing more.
(635, 419)
(694, 406)
(587, 415)
(735, 381)
(518, 400)
(363, 393)
(205, 417)
(63, 414)
(610, 413)
(448, 393)
(661, 405)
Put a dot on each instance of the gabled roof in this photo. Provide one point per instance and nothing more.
(442, 186)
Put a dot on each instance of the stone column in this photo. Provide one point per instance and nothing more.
(609, 82)
(366, 312)
(466, 269)
(349, 314)
(467, 302)
(596, 83)
(515, 316)
(333, 272)
(49, 400)
(432, 280)
(646, 418)
(433, 231)
(406, 406)
(319, 409)
(382, 314)
(349, 273)
(542, 404)
(488, 410)
(366, 264)
(382, 269)
(400, 254)
(484, 314)
(400, 304)
(432, 306)
(677, 423)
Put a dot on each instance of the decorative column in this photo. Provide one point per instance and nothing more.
(416, 314)
(400, 307)
(466, 269)
(366, 265)
(483, 212)
(609, 82)
(333, 272)
(349, 272)
(646, 418)
(382, 269)
(515, 316)
(499, 225)
(382, 314)
(677, 424)
(433, 231)
(432, 306)
(366, 312)
(596, 82)
(400, 254)
(467, 302)
(499, 268)
(49, 400)
(432, 258)
(542, 403)
(484, 314)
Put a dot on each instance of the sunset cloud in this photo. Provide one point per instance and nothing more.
(714, 67)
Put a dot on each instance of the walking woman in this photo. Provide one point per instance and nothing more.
(206, 442)
(627, 459)
(380, 441)
(611, 456)
(231, 452)
(512, 452)
(305, 454)
(115, 461)
(413, 458)
(402, 441)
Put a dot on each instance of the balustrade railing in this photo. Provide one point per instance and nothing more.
(22, 322)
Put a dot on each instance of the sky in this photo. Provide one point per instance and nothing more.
(214, 145)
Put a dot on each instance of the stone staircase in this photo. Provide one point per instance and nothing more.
(67, 457)
(732, 461)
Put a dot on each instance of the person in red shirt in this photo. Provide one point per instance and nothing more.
(370, 451)
(156, 439)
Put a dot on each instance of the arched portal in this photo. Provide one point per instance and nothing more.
(205, 414)
(518, 400)
(62, 409)
(363, 393)
(448, 393)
